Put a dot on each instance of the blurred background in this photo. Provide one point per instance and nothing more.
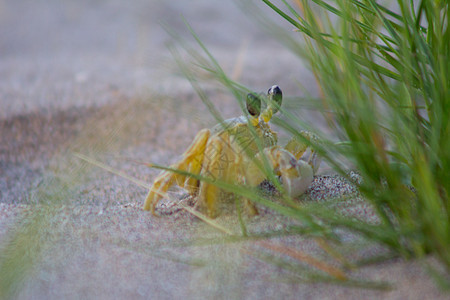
(60, 54)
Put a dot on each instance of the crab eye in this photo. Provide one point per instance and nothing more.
(275, 97)
(253, 105)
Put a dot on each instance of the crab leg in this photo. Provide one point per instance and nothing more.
(236, 173)
(208, 193)
(191, 161)
(250, 175)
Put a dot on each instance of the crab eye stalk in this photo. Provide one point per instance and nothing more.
(253, 105)
(275, 97)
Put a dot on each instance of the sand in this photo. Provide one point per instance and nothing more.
(96, 78)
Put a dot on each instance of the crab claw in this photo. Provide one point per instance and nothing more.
(296, 175)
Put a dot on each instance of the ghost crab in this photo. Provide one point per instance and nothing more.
(230, 152)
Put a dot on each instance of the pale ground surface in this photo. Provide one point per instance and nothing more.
(95, 77)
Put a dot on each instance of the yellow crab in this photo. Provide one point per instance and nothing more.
(230, 152)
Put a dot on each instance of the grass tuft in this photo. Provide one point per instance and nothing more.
(385, 75)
